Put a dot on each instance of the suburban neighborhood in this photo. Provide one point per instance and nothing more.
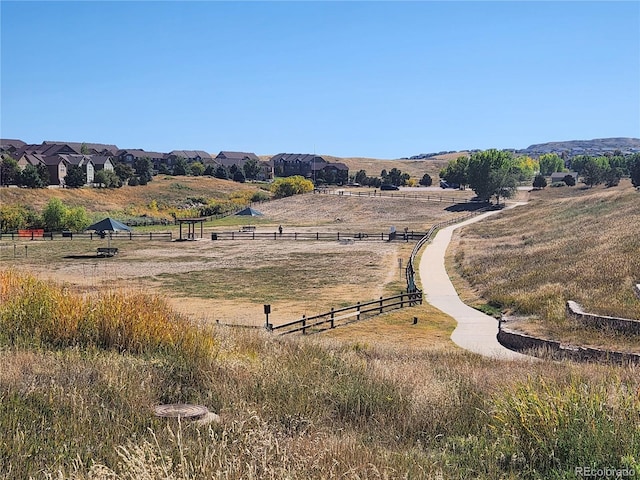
(56, 159)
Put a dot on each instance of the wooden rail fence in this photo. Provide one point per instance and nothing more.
(319, 236)
(345, 315)
(87, 236)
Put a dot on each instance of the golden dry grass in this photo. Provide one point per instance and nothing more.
(566, 244)
(163, 189)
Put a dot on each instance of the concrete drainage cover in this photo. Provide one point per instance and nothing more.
(181, 410)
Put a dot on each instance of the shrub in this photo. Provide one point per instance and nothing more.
(540, 181)
(288, 186)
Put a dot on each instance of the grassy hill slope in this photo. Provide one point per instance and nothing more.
(166, 191)
(566, 244)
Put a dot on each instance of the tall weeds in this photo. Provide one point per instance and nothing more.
(37, 313)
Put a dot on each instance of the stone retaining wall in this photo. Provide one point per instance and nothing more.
(521, 342)
(622, 325)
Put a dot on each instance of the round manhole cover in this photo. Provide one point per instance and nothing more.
(182, 410)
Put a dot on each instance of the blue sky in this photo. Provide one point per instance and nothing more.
(374, 79)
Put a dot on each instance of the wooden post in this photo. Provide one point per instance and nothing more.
(401, 299)
(332, 318)
(358, 307)
(304, 324)
(380, 304)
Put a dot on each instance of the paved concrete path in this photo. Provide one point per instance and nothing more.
(475, 331)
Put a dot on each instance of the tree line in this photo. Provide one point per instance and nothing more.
(496, 173)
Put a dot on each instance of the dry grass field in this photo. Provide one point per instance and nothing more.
(566, 244)
(229, 281)
(166, 191)
(378, 399)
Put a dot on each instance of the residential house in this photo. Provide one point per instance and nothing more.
(10, 146)
(57, 167)
(288, 164)
(47, 150)
(130, 156)
(227, 159)
(83, 161)
(313, 167)
(25, 159)
(101, 162)
(86, 148)
(559, 176)
(189, 155)
(334, 172)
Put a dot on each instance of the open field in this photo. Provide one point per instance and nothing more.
(229, 281)
(567, 244)
(382, 398)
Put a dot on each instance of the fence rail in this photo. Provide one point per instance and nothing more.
(320, 236)
(428, 197)
(86, 235)
(409, 270)
(342, 316)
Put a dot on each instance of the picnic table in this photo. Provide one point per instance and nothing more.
(107, 251)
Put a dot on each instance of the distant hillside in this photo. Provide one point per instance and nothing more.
(598, 146)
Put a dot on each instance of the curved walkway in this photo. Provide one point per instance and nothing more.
(476, 331)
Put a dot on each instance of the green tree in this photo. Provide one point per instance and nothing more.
(525, 168)
(107, 179)
(456, 171)
(251, 169)
(288, 186)
(144, 170)
(612, 176)
(197, 169)
(360, 177)
(569, 180)
(426, 180)
(76, 219)
(550, 163)
(123, 171)
(54, 214)
(84, 150)
(43, 172)
(31, 177)
(12, 218)
(181, 167)
(221, 173)
(9, 171)
(238, 176)
(633, 164)
(539, 182)
(593, 170)
(76, 177)
(491, 174)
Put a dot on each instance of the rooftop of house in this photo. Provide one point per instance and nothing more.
(237, 155)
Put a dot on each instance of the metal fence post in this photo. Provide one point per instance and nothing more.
(380, 304)
(304, 324)
(332, 318)
(358, 310)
